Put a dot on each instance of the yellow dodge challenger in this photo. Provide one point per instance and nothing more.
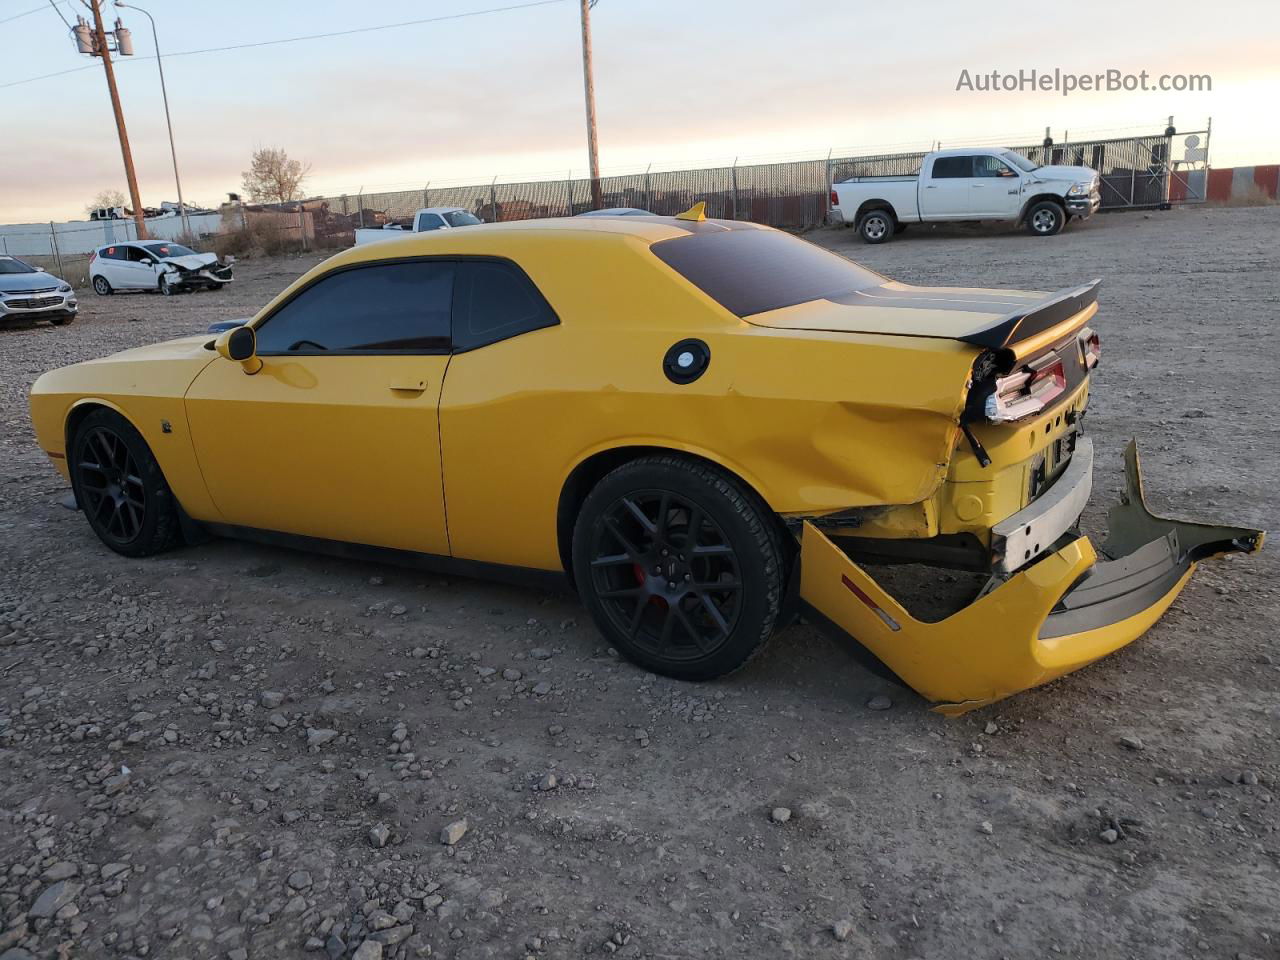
(704, 424)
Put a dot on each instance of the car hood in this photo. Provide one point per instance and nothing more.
(183, 348)
(1074, 174)
(193, 261)
(157, 370)
(26, 282)
(950, 313)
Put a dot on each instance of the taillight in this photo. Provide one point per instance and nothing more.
(1090, 348)
(1027, 390)
(93, 255)
(835, 200)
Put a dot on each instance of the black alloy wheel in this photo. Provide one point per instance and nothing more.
(114, 496)
(666, 575)
(119, 486)
(680, 565)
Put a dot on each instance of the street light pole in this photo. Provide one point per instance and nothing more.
(173, 151)
(589, 84)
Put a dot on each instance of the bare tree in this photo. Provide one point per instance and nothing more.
(274, 178)
(106, 198)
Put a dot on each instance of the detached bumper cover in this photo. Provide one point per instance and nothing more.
(1063, 612)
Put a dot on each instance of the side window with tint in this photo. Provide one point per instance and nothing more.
(496, 300)
(429, 221)
(384, 308)
(951, 168)
(137, 254)
(986, 166)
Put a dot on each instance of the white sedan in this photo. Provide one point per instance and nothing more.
(156, 265)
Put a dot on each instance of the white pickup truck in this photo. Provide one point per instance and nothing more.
(429, 218)
(968, 184)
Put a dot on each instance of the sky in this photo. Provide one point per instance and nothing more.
(679, 83)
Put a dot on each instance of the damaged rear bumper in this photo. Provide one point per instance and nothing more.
(1060, 613)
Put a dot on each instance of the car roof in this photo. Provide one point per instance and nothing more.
(969, 151)
(650, 228)
(616, 212)
(472, 240)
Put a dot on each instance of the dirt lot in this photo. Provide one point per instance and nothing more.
(298, 731)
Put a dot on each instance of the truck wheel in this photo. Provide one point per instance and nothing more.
(681, 568)
(876, 226)
(1045, 219)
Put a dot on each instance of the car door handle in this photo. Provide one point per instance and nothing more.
(978, 186)
(931, 186)
(409, 386)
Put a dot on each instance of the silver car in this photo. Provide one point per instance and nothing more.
(28, 292)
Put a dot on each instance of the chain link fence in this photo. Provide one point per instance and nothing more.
(1144, 171)
(1137, 172)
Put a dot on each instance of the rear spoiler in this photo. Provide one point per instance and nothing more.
(1025, 323)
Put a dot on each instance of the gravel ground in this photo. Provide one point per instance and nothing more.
(233, 751)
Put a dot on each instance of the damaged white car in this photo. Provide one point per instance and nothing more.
(156, 265)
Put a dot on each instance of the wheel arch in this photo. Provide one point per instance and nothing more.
(868, 205)
(593, 467)
(1052, 197)
(81, 409)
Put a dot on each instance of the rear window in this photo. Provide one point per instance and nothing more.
(460, 218)
(952, 168)
(753, 271)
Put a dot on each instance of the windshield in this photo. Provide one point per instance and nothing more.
(461, 218)
(1019, 161)
(168, 249)
(13, 265)
(753, 271)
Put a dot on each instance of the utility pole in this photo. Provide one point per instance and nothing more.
(588, 81)
(101, 49)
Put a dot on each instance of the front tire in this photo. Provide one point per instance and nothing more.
(680, 566)
(101, 286)
(1045, 219)
(877, 226)
(166, 288)
(120, 487)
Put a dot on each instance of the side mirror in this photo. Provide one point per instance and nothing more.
(241, 345)
(147, 261)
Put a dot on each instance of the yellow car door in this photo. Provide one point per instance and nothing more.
(336, 436)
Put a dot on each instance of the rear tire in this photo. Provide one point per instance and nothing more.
(1046, 218)
(120, 487)
(876, 226)
(101, 286)
(680, 566)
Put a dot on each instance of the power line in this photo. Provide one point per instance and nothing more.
(314, 36)
(54, 4)
(27, 13)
